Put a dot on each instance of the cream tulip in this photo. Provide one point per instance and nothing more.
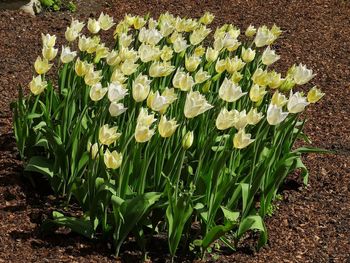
(113, 160)
(241, 139)
(248, 54)
(269, 56)
(211, 54)
(187, 140)
(314, 95)
(108, 135)
(105, 22)
(296, 102)
(201, 76)
(49, 53)
(116, 92)
(166, 128)
(253, 116)
(160, 69)
(230, 91)
(302, 75)
(140, 88)
(97, 92)
(257, 93)
(48, 40)
(195, 104)
(92, 77)
(42, 66)
(67, 55)
(192, 62)
(143, 133)
(37, 85)
(250, 31)
(116, 109)
(183, 81)
(278, 99)
(93, 26)
(225, 119)
(275, 115)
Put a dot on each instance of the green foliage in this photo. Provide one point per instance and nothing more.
(56, 5)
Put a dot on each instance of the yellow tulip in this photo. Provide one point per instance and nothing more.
(93, 26)
(242, 140)
(198, 35)
(257, 93)
(48, 40)
(211, 54)
(279, 99)
(274, 79)
(105, 21)
(207, 18)
(37, 85)
(201, 76)
(67, 55)
(314, 95)
(166, 127)
(128, 67)
(253, 117)
(183, 81)
(248, 55)
(108, 135)
(199, 51)
(93, 149)
(225, 119)
(192, 62)
(92, 77)
(143, 133)
(113, 160)
(250, 31)
(167, 53)
(118, 77)
(140, 88)
(240, 120)
(145, 119)
(260, 77)
(158, 69)
(97, 92)
(220, 65)
(195, 104)
(230, 91)
(49, 53)
(42, 65)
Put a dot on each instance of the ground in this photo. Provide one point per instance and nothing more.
(311, 223)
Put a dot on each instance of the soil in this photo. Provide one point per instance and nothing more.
(310, 224)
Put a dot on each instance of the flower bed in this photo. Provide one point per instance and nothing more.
(160, 131)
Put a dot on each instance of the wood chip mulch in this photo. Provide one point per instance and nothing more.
(311, 224)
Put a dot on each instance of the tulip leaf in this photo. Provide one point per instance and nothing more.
(40, 165)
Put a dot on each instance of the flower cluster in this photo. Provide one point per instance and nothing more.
(162, 102)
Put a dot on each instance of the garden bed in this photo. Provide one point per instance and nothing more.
(310, 225)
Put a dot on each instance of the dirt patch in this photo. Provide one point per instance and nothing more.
(310, 225)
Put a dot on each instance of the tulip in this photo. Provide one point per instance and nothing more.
(143, 133)
(77, 26)
(42, 65)
(152, 24)
(230, 91)
(274, 80)
(150, 36)
(105, 22)
(112, 58)
(264, 37)
(242, 140)
(276, 31)
(269, 56)
(314, 95)
(156, 102)
(236, 77)
(183, 81)
(261, 77)
(145, 119)
(93, 26)
(180, 44)
(128, 67)
(118, 77)
(108, 135)
(166, 128)
(116, 109)
(278, 99)
(166, 28)
(250, 31)
(116, 92)
(158, 69)
(220, 65)
(211, 54)
(93, 149)
(148, 53)
(82, 67)
(192, 62)
(275, 114)
(49, 53)
(48, 40)
(67, 55)
(113, 160)
(302, 75)
(97, 92)
(287, 84)
(195, 104)
(233, 65)
(240, 120)
(296, 102)
(199, 51)
(125, 40)
(225, 119)
(198, 35)
(139, 22)
(187, 140)
(37, 85)
(140, 88)
(207, 18)
(248, 55)
(201, 76)
(71, 34)
(253, 117)
(166, 53)
(257, 93)
(101, 52)
(92, 77)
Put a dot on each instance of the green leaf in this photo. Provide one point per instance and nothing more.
(40, 165)
(253, 222)
(215, 233)
(230, 215)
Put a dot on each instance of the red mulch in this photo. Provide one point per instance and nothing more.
(311, 224)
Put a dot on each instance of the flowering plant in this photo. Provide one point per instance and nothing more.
(159, 130)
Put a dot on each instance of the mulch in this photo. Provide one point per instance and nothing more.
(310, 224)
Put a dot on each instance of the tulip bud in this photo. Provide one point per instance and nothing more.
(187, 140)
(93, 149)
(207, 18)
